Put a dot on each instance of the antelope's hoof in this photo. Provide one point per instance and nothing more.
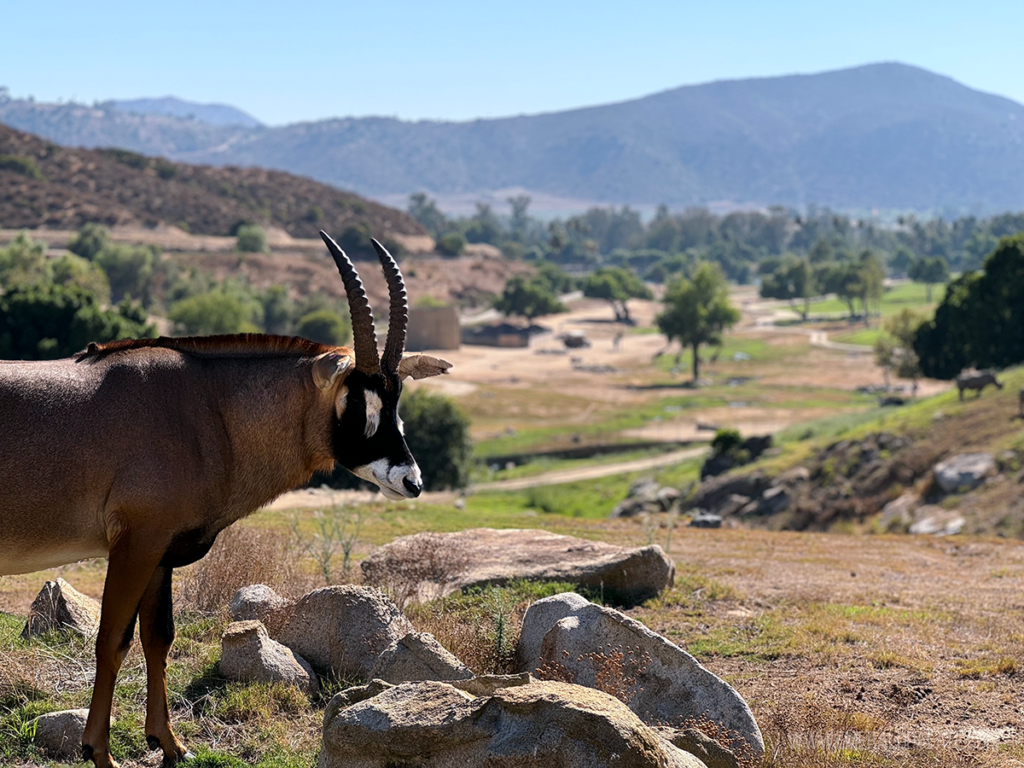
(170, 760)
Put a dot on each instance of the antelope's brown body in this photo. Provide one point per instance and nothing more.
(200, 435)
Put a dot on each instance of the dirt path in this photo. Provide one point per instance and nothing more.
(591, 473)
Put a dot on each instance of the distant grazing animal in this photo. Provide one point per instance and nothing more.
(144, 450)
(976, 380)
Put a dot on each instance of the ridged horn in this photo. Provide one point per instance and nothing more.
(398, 317)
(364, 337)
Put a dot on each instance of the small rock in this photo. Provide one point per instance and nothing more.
(59, 607)
(255, 602)
(60, 733)
(418, 657)
(964, 472)
(706, 520)
(899, 512)
(249, 655)
(701, 746)
(933, 520)
(343, 629)
(733, 504)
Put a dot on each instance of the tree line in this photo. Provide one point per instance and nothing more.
(673, 242)
(102, 290)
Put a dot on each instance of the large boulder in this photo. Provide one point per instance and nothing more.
(601, 647)
(59, 607)
(539, 725)
(964, 471)
(484, 556)
(418, 657)
(249, 655)
(343, 629)
(59, 734)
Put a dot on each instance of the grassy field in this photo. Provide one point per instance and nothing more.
(912, 296)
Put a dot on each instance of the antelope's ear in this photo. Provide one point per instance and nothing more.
(328, 367)
(422, 366)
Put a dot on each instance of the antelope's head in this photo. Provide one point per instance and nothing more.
(366, 431)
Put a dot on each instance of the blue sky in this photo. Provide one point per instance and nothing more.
(286, 62)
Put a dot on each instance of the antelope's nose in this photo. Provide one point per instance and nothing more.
(412, 487)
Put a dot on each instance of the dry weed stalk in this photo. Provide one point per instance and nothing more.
(241, 556)
(335, 532)
(418, 569)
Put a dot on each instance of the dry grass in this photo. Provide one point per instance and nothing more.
(241, 556)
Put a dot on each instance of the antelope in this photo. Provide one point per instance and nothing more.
(976, 380)
(144, 450)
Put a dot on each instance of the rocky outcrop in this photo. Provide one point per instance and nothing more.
(494, 557)
(418, 657)
(646, 496)
(59, 734)
(249, 655)
(343, 629)
(538, 725)
(964, 472)
(600, 647)
(59, 607)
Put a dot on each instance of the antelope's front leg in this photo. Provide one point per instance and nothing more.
(131, 566)
(156, 628)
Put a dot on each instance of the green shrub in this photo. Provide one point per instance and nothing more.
(437, 432)
(451, 244)
(324, 326)
(213, 312)
(726, 441)
(26, 166)
(90, 240)
(251, 239)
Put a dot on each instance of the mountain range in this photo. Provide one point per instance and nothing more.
(888, 136)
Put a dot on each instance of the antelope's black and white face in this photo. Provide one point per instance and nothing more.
(366, 431)
(368, 437)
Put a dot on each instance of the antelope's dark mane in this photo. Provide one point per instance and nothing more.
(232, 345)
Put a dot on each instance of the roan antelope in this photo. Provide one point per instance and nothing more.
(144, 450)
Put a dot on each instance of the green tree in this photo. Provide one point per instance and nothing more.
(426, 212)
(793, 279)
(451, 244)
(23, 262)
(74, 270)
(894, 347)
(90, 240)
(616, 285)
(278, 310)
(527, 299)
(39, 322)
(251, 238)
(437, 433)
(929, 270)
(980, 318)
(324, 326)
(214, 312)
(698, 311)
(129, 269)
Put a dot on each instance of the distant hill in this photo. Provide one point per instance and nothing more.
(214, 114)
(46, 185)
(878, 136)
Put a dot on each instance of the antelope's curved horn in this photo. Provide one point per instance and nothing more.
(398, 318)
(364, 337)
